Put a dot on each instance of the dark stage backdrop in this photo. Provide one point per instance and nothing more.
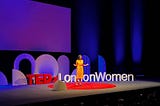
(127, 35)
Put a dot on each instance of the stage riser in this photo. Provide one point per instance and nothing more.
(149, 96)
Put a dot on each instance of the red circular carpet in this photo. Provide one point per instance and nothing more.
(87, 86)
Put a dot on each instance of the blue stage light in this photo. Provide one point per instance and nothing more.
(88, 27)
(101, 64)
(119, 22)
(136, 29)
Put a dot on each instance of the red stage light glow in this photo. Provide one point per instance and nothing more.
(87, 86)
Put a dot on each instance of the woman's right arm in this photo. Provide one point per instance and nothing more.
(75, 64)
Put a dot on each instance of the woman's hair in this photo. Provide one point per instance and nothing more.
(79, 56)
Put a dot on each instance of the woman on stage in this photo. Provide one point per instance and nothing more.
(79, 69)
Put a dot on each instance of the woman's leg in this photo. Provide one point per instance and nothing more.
(80, 81)
(77, 81)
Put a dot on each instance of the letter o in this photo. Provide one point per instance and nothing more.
(87, 77)
(67, 78)
(110, 77)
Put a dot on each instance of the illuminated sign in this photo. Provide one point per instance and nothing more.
(96, 77)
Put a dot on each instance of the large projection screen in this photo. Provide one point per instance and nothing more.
(34, 26)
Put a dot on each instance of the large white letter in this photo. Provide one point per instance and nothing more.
(132, 77)
(67, 79)
(73, 78)
(59, 76)
(110, 77)
(92, 76)
(87, 78)
(100, 76)
(124, 77)
(116, 77)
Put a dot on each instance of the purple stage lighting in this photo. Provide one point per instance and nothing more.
(34, 26)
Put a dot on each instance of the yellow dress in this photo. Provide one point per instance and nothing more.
(80, 71)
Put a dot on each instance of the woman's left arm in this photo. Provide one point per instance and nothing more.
(85, 64)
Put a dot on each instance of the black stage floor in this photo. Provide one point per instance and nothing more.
(41, 94)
